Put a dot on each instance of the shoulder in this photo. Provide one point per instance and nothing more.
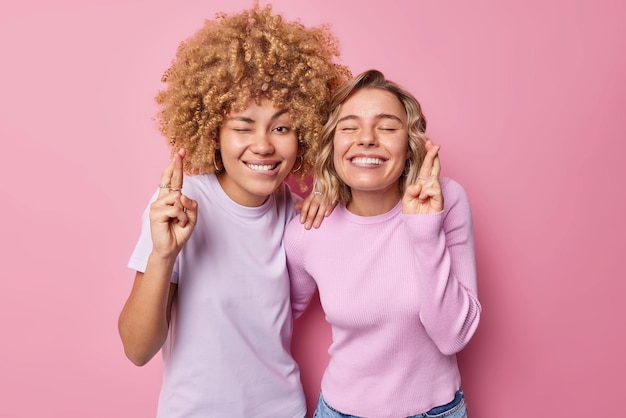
(452, 190)
(457, 211)
(193, 184)
(297, 233)
(294, 230)
(451, 185)
(288, 194)
(285, 200)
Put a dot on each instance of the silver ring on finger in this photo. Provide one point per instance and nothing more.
(165, 186)
(175, 190)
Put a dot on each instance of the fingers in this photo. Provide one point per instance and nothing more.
(177, 172)
(436, 168)
(298, 207)
(168, 210)
(430, 189)
(172, 176)
(314, 219)
(169, 204)
(309, 209)
(430, 186)
(431, 193)
(313, 210)
(172, 215)
(166, 180)
(305, 205)
(430, 160)
(412, 192)
(190, 210)
(425, 196)
(176, 180)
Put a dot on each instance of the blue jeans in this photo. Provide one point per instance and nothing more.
(454, 409)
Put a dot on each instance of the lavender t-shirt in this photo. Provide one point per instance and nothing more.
(228, 349)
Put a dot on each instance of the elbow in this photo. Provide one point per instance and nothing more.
(452, 349)
(298, 307)
(454, 344)
(136, 357)
(137, 351)
(138, 361)
(296, 313)
(458, 336)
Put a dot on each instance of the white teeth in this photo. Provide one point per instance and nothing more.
(264, 167)
(367, 160)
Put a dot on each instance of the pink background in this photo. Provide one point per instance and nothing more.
(527, 99)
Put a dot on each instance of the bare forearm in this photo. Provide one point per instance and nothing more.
(144, 320)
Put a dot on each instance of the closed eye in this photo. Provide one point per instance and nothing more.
(347, 128)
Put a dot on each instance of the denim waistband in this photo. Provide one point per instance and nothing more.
(458, 397)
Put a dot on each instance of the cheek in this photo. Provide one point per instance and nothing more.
(289, 148)
(340, 146)
(228, 142)
(337, 161)
(339, 150)
(400, 148)
(229, 148)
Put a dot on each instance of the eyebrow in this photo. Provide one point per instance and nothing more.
(250, 120)
(380, 116)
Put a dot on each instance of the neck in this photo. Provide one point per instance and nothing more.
(372, 203)
(237, 194)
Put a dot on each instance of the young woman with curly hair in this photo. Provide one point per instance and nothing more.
(245, 100)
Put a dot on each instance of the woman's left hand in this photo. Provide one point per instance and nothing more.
(425, 196)
(313, 209)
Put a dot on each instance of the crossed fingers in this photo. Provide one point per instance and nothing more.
(170, 189)
(172, 177)
(431, 167)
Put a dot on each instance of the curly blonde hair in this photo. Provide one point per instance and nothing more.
(327, 181)
(251, 55)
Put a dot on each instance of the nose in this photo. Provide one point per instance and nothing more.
(261, 144)
(367, 138)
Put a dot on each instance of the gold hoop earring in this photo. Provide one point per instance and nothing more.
(217, 169)
(300, 166)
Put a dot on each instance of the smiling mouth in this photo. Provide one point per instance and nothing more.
(366, 161)
(262, 167)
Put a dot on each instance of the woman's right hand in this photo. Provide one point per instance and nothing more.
(172, 215)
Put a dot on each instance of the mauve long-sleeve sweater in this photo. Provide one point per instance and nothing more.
(400, 294)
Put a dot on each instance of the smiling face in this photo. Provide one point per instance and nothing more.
(258, 148)
(371, 146)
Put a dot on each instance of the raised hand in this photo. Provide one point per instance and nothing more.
(172, 215)
(425, 196)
